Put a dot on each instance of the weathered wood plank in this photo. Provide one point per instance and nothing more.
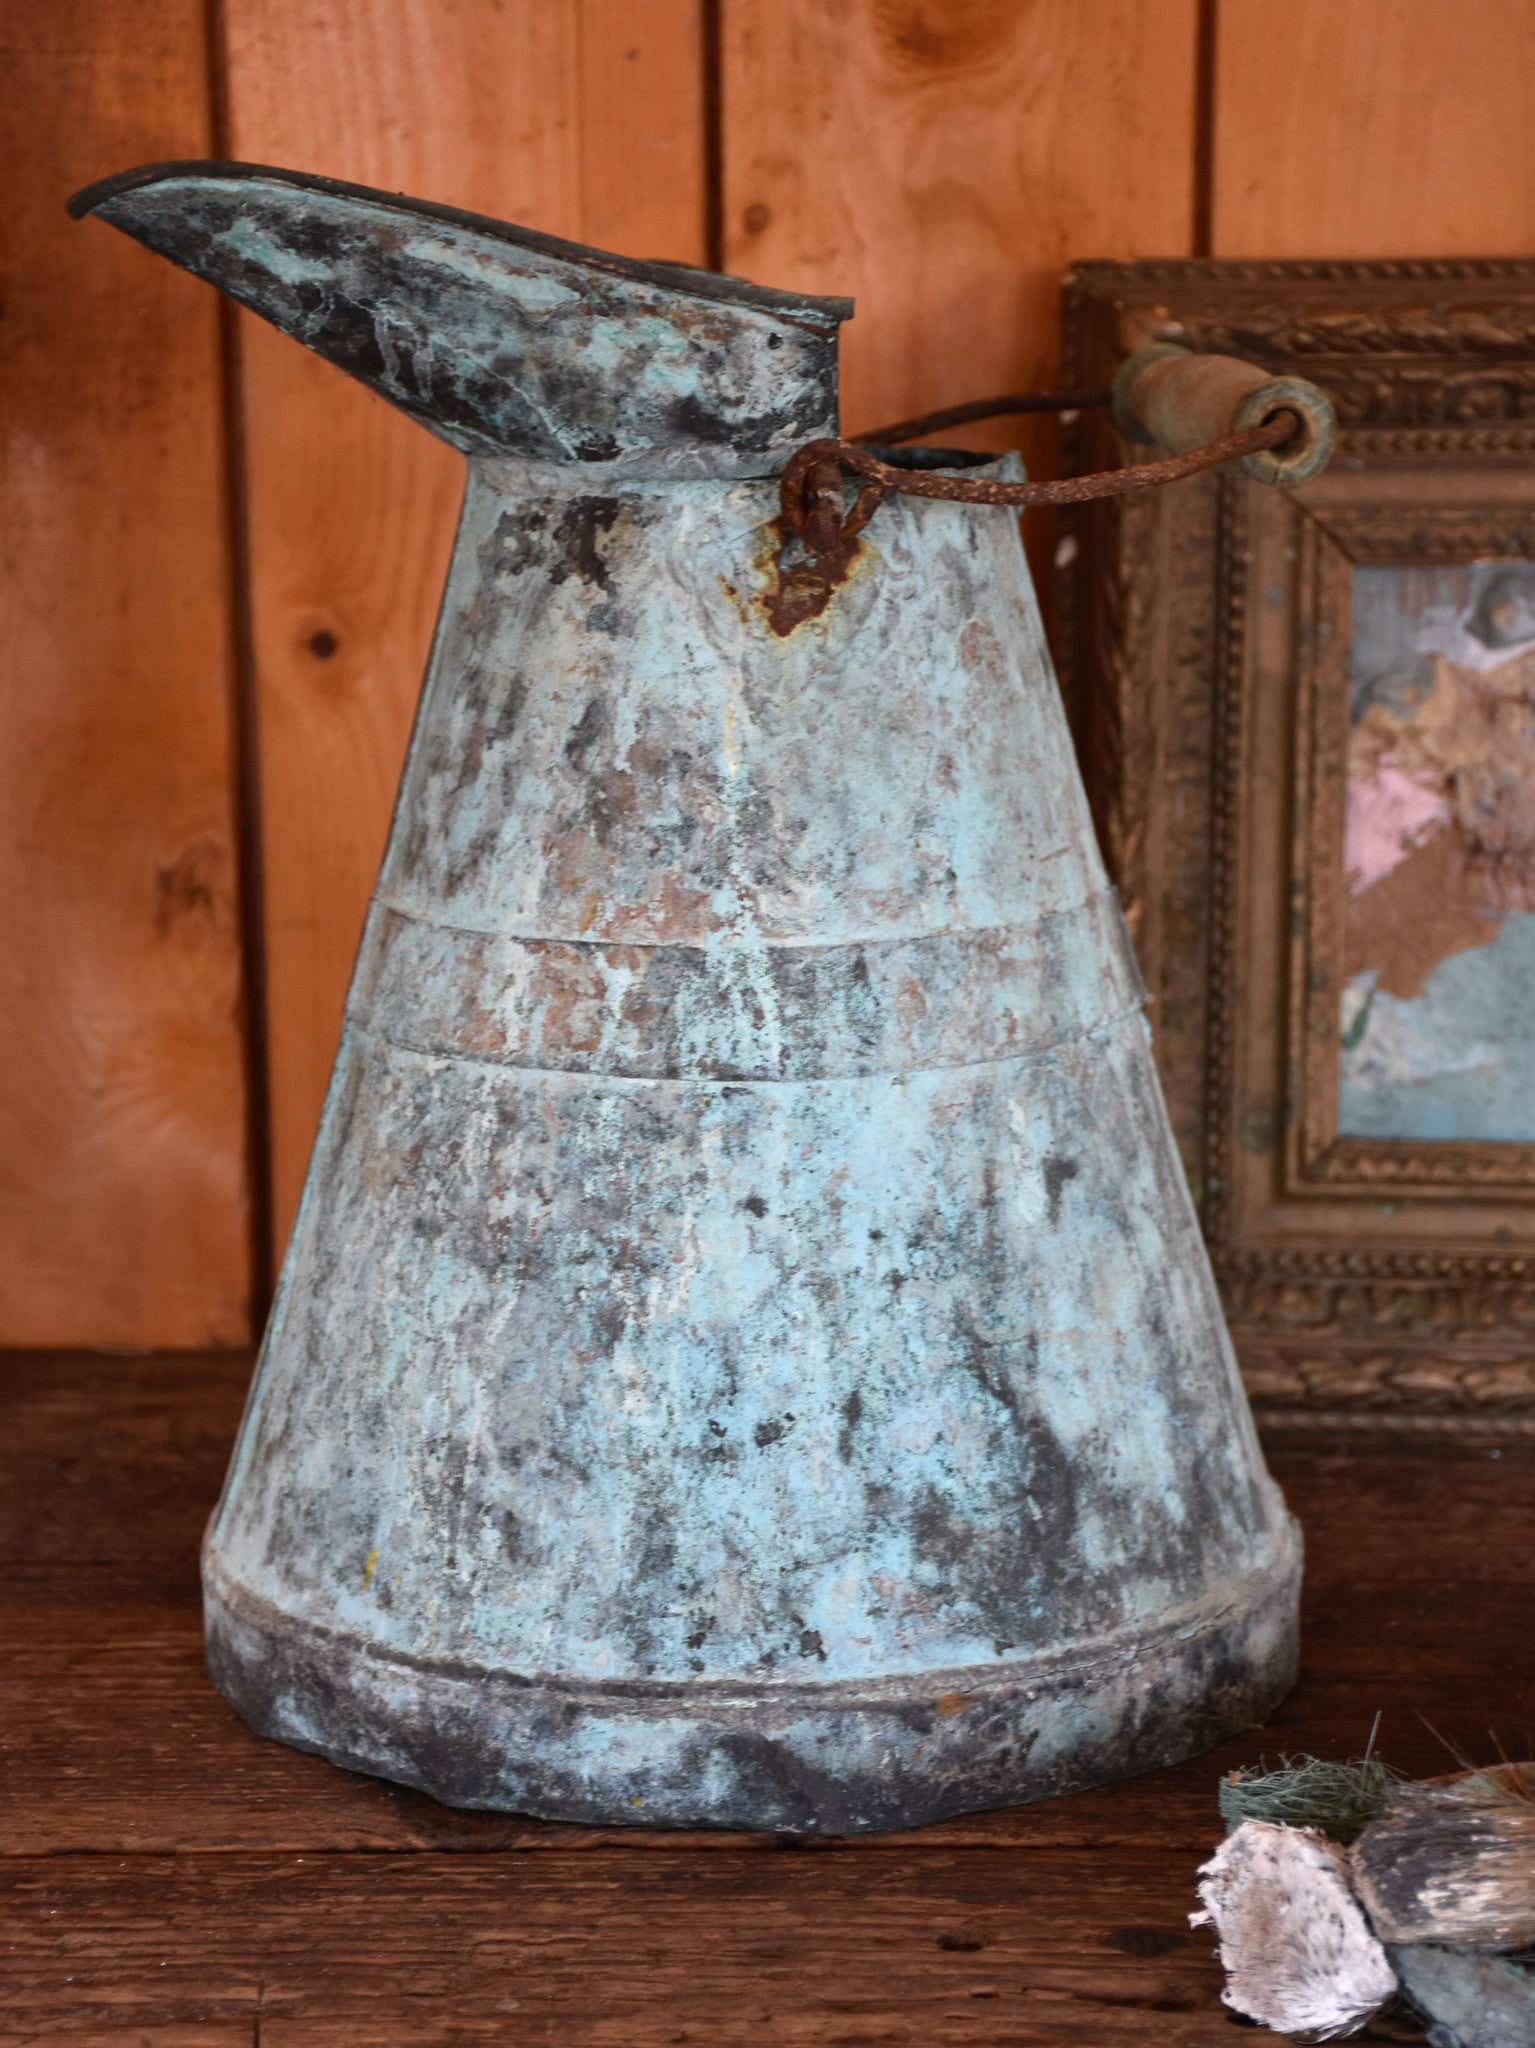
(1414, 1511)
(123, 1203)
(114, 1461)
(1365, 131)
(613, 1947)
(584, 120)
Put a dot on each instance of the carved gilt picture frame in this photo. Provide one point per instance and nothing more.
(1307, 724)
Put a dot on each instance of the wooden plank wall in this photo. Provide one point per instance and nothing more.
(123, 1176)
(944, 160)
(1374, 128)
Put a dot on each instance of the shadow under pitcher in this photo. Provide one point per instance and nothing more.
(746, 1354)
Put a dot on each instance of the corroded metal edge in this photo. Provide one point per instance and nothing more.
(500, 341)
(831, 1759)
(682, 277)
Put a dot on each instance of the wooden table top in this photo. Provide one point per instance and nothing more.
(171, 1879)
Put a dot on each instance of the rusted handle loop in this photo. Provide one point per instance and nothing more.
(811, 489)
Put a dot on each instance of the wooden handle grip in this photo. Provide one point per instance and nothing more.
(1169, 395)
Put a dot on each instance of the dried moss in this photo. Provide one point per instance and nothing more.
(1338, 1799)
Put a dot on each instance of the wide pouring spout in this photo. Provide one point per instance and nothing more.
(502, 341)
(746, 1353)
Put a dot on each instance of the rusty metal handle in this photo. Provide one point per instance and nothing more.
(810, 490)
(1207, 409)
(984, 409)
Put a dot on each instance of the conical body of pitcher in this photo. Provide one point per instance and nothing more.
(746, 1353)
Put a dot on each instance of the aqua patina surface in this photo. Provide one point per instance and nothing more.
(501, 340)
(746, 1354)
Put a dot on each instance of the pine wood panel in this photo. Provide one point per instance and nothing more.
(944, 161)
(122, 1143)
(583, 119)
(1374, 130)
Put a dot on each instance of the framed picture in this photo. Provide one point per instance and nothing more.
(1307, 721)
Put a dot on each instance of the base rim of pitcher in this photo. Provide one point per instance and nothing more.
(844, 1757)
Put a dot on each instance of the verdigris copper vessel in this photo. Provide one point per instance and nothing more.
(746, 1354)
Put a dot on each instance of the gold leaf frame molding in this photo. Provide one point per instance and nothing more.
(1204, 634)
